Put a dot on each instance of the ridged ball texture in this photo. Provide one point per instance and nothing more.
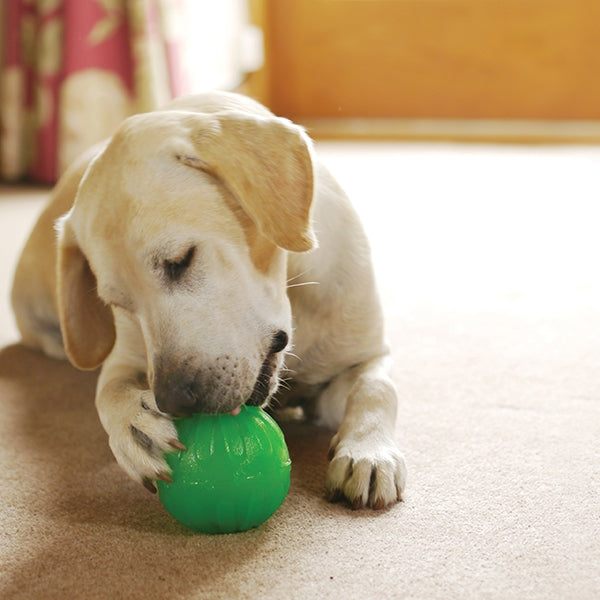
(233, 475)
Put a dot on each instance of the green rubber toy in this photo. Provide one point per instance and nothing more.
(233, 475)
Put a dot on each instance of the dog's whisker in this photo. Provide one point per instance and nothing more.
(288, 353)
(288, 374)
(274, 402)
(299, 275)
(293, 285)
(283, 383)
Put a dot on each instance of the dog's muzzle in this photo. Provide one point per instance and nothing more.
(219, 386)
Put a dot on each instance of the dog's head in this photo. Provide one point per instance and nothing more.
(183, 222)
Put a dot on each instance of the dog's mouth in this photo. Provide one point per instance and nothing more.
(263, 388)
(185, 400)
(219, 387)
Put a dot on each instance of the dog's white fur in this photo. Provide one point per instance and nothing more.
(188, 244)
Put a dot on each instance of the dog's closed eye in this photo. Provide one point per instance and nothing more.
(175, 269)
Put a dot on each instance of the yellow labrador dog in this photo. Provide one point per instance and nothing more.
(203, 256)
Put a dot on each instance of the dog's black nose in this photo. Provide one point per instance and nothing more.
(279, 342)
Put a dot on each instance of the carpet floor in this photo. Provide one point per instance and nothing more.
(487, 259)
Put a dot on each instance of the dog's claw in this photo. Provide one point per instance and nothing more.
(379, 504)
(149, 485)
(176, 444)
(164, 477)
(357, 503)
(334, 496)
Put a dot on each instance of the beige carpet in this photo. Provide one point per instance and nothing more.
(488, 263)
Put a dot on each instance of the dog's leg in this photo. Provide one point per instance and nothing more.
(366, 466)
(139, 433)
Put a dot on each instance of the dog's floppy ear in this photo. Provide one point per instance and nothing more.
(86, 323)
(266, 163)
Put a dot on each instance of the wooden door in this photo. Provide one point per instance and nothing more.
(452, 59)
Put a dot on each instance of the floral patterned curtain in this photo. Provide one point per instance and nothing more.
(72, 70)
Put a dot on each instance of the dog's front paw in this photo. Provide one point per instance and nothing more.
(141, 439)
(366, 472)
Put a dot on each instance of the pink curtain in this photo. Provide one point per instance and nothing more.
(72, 70)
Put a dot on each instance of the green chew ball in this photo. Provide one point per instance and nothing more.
(233, 475)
